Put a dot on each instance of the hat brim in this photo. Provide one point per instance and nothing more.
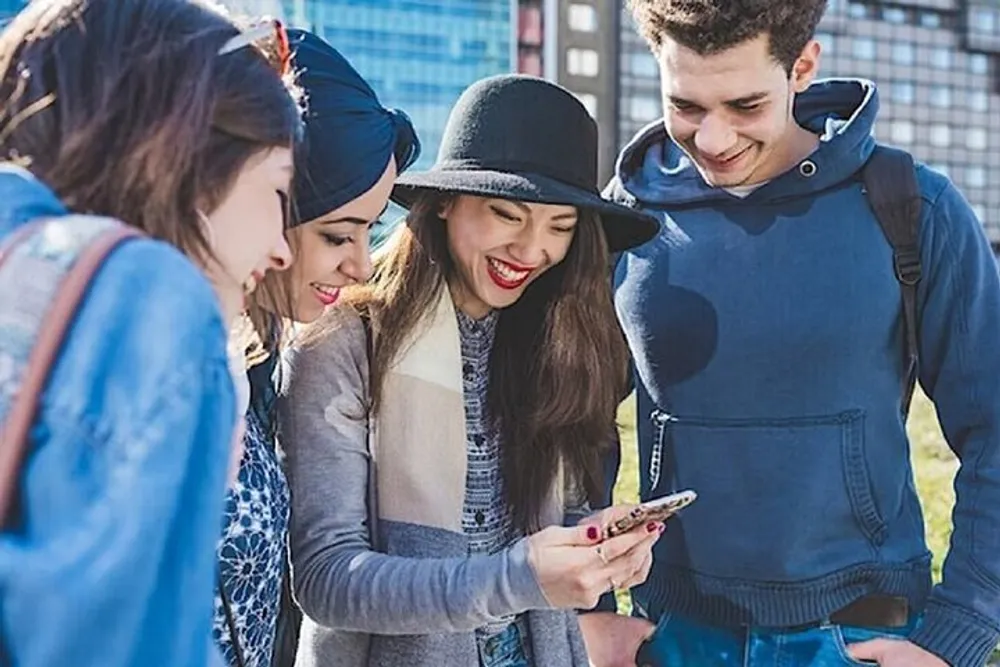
(624, 227)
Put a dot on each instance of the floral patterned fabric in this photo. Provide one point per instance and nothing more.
(252, 552)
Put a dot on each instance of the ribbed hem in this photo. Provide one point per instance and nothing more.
(955, 635)
(735, 602)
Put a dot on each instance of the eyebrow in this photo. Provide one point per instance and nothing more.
(747, 99)
(527, 211)
(354, 219)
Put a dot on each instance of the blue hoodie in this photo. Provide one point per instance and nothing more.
(766, 338)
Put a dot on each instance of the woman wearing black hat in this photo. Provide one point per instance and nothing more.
(353, 148)
(439, 423)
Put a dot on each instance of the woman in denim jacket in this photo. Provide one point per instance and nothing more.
(162, 114)
(352, 149)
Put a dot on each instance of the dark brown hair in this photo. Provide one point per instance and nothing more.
(558, 362)
(711, 26)
(125, 108)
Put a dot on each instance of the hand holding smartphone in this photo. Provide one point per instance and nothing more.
(658, 509)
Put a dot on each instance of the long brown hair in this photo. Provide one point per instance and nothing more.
(125, 108)
(557, 369)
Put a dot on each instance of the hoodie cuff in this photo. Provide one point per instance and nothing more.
(955, 635)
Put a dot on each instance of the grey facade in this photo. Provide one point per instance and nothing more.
(935, 62)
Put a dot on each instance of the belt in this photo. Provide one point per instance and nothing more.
(878, 611)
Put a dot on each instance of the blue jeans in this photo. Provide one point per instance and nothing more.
(682, 643)
(505, 649)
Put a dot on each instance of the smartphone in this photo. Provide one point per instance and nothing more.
(659, 509)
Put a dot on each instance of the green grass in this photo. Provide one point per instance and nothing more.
(933, 462)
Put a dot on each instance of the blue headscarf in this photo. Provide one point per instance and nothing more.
(349, 135)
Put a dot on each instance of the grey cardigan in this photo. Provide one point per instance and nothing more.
(417, 600)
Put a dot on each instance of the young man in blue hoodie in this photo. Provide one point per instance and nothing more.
(765, 327)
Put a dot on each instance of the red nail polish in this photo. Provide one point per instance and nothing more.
(651, 528)
(592, 532)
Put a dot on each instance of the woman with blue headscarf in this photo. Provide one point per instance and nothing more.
(353, 149)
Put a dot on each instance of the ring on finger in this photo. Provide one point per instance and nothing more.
(601, 554)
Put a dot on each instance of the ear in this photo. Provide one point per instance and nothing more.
(806, 66)
(445, 207)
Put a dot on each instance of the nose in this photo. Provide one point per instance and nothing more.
(280, 257)
(358, 266)
(714, 136)
(528, 248)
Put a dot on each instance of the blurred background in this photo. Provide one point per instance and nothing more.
(934, 60)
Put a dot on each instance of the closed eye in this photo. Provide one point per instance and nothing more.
(499, 212)
(334, 239)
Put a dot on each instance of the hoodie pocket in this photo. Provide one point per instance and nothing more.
(781, 499)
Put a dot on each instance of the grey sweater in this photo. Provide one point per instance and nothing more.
(418, 600)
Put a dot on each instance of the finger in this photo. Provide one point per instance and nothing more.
(625, 567)
(639, 575)
(620, 545)
(871, 650)
(576, 536)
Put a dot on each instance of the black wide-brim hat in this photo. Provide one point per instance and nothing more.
(527, 139)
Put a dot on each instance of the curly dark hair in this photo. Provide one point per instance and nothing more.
(711, 26)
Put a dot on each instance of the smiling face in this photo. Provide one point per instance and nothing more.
(731, 112)
(333, 251)
(499, 247)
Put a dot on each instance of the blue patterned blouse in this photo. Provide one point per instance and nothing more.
(252, 551)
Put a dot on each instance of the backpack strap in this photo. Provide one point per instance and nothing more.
(890, 181)
(45, 269)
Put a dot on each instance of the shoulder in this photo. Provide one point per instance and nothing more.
(335, 345)
(150, 321)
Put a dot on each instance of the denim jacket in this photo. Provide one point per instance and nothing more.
(112, 558)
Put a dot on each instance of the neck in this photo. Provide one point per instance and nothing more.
(469, 304)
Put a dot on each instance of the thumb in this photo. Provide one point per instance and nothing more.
(869, 651)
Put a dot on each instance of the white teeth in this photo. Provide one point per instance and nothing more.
(329, 291)
(508, 273)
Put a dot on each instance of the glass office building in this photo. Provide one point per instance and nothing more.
(936, 67)
(419, 55)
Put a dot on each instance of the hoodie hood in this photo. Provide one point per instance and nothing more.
(653, 170)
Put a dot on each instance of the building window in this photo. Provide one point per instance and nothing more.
(979, 100)
(940, 96)
(902, 53)
(864, 48)
(529, 26)
(894, 15)
(582, 62)
(644, 109)
(940, 136)
(643, 64)
(901, 132)
(589, 101)
(979, 63)
(903, 92)
(975, 177)
(930, 19)
(983, 20)
(941, 58)
(975, 138)
(858, 10)
(582, 18)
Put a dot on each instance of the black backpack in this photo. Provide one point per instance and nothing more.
(890, 182)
